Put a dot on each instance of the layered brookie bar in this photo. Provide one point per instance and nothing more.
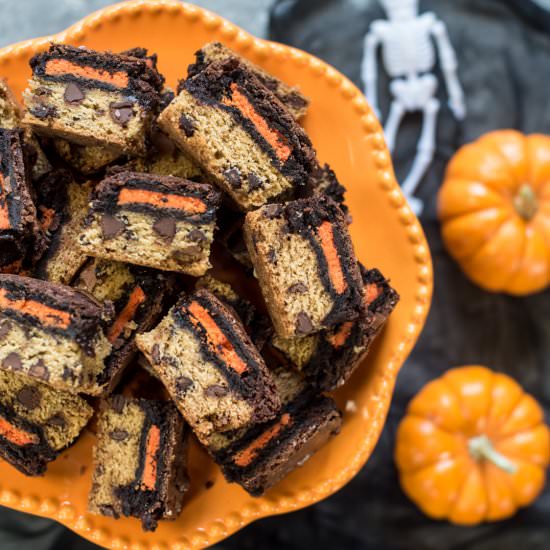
(61, 204)
(140, 461)
(137, 294)
(290, 96)
(327, 359)
(19, 230)
(260, 457)
(240, 134)
(92, 98)
(212, 370)
(52, 333)
(323, 181)
(156, 221)
(37, 422)
(10, 119)
(305, 264)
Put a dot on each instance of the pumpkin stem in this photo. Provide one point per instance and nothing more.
(525, 202)
(481, 448)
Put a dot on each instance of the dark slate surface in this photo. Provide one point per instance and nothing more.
(504, 52)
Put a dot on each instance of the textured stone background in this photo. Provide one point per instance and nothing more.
(465, 325)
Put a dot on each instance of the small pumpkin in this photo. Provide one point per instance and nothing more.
(494, 208)
(473, 447)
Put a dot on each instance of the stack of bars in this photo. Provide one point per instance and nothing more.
(117, 196)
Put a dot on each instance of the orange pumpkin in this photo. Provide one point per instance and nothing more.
(472, 447)
(494, 208)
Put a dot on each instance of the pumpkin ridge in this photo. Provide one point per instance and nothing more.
(492, 234)
(513, 455)
(510, 166)
(420, 417)
(505, 419)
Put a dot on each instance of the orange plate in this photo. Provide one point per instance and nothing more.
(385, 232)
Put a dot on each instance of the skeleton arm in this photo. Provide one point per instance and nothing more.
(369, 69)
(449, 65)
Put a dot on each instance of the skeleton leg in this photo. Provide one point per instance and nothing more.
(424, 155)
(397, 110)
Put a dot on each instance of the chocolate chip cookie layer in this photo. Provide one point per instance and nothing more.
(52, 333)
(156, 221)
(305, 264)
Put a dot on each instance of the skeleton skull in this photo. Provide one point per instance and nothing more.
(400, 10)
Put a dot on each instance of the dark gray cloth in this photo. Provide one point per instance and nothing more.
(504, 52)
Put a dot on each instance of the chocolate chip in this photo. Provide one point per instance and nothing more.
(57, 420)
(272, 256)
(272, 210)
(303, 323)
(118, 435)
(108, 510)
(89, 278)
(183, 383)
(165, 227)
(233, 177)
(155, 354)
(68, 374)
(297, 288)
(187, 126)
(186, 253)
(73, 95)
(161, 142)
(117, 403)
(216, 391)
(5, 327)
(12, 361)
(197, 236)
(254, 182)
(122, 112)
(40, 370)
(111, 226)
(29, 397)
(42, 111)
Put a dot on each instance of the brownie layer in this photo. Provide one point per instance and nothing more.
(62, 205)
(304, 261)
(290, 96)
(269, 452)
(240, 134)
(137, 295)
(156, 221)
(140, 461)
(210, 367)
(329, 358)
(323, 181)
(51, 332)
(37, 422)
(19, 230)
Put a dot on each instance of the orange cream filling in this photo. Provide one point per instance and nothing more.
(15, 435)
(273, 137)
(46, 315)
(62, 66)
(371, 291)
(216, 338)
(137, 297)
(339, 338)
(149, 476)
(190, 205)
(335, 272)
(4, 214)
(246, 456)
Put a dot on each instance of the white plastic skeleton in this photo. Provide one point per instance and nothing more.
(409, 57)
